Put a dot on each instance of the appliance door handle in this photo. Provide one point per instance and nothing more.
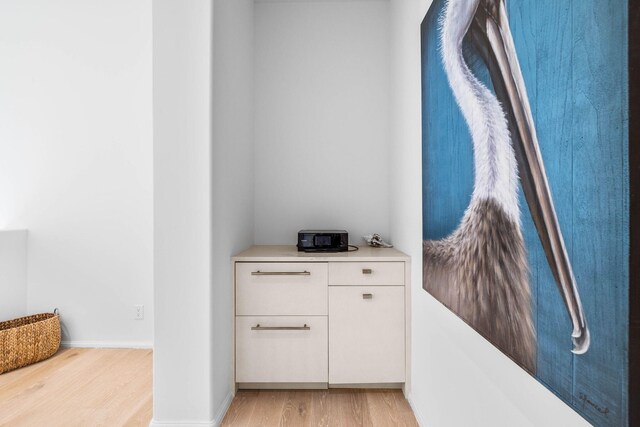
(280, 328)
(367, 296)
(280, 273)
(366, 271)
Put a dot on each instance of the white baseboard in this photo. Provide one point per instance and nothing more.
(107, 344)
(216, 422)
(416, 412)
(222, 410)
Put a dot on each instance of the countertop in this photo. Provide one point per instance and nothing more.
(289, 253)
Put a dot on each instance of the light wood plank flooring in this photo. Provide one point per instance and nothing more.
(112, 387)
(333, 407)
(80, 387)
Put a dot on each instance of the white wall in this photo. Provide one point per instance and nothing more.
(232, 174)
(458, 378)
(203, 104)
(321, 118)
(76, 163)
(13, 274)
(182, 61)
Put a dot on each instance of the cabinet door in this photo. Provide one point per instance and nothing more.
(366, 334)
(289, 349)
(281, 288)
(366, 273)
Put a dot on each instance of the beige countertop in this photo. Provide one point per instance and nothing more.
(288, 253)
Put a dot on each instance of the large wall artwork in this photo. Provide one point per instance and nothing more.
(526, 187)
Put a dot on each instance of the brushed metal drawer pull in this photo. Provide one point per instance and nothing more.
(280, 273)
(366, 271)
(280, 328)
(367, 296)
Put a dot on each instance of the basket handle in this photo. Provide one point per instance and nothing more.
(56, 311)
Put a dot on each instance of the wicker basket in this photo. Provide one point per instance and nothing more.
(28, 340)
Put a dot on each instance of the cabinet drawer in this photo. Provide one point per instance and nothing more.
(264, 289)
(295, 353)
(366, 334)
(366, 273)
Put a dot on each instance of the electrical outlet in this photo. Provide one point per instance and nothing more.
(139, 312)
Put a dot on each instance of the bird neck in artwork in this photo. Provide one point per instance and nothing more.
(495, 165)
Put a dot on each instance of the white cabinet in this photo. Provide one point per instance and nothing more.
(281, 349)
(317, 320)
(366, 273)
(366, 334)
(283, 288)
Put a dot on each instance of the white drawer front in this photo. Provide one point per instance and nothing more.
(366, 334)
(264, 289)
(366, 273)
(295, 356)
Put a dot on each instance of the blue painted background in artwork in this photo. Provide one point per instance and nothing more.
(573, 55)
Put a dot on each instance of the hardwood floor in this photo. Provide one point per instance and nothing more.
(112, 387)
(333, 407)
(80, 387)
